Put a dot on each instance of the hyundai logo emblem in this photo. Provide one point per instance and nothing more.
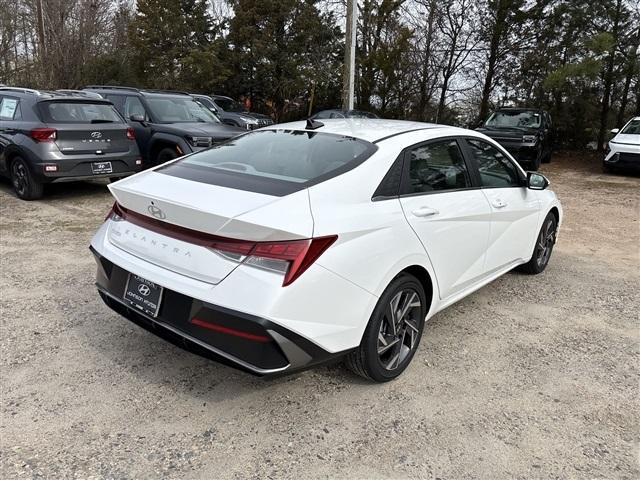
(144, 290)
(156, 212)
(96, 134)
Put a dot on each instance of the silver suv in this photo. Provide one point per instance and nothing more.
(55, 137)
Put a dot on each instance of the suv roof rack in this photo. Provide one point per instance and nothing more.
(112, 87)
(77, 93)
(171, 92)
(24, 90)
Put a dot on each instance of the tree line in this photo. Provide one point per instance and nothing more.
(445, 61)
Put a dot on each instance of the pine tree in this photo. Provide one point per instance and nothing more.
(174, 45)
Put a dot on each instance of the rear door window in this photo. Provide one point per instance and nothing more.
(78, 112)
(436, 166)
(275, 162)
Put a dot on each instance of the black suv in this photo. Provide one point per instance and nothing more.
(232, 112)
(54, 137)
(167, 124)
(526, 133)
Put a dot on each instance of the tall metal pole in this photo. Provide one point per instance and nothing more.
(348, 82)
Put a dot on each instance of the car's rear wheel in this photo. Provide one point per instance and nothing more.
(25, 186)
(547, 158)
(544, 246)
(165, 155)
(393, 334)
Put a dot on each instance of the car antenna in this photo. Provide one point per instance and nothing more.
(313, 124)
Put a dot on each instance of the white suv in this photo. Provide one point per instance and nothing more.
(623, 150)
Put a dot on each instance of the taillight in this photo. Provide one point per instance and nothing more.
(290, 258)
(115, 213)
(131, 133)
(44, 134)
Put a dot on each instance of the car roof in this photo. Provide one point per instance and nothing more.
(369, 129)
(518, 109)
(49, 95)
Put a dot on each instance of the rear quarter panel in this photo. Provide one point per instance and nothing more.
(375, 242)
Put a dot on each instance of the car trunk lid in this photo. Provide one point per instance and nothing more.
(177, 222)
(96, 138)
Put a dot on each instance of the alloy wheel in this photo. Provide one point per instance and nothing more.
(399, 329)
(20, 177)
(546, 239)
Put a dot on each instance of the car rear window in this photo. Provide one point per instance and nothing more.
(275, 162)
(78, 112)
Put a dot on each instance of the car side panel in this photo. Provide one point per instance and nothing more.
(375, 242)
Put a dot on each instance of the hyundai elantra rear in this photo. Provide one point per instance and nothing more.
(291, 245)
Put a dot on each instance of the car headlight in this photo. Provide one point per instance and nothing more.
(197, 141)
(249, 120)
(530, 139)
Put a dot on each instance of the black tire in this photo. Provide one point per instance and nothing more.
(547, 158)
(165, 155)
(607, 168)
(25, 186)
(389, 343)
(545, 241)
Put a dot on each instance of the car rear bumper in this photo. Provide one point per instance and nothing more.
(250, 343)
(72, 169)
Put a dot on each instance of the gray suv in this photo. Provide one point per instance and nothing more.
(54, 137)
(232, 112)
(168, 124)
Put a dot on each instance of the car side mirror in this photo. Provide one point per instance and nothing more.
(536, 181)
(136, 117)
(615, 130)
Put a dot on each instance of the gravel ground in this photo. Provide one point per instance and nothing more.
(531, 377)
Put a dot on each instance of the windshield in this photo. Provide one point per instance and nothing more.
(514, 119)
(78, 112)
(632, 128)
(229, 105)
(179, 110)
(265, 157)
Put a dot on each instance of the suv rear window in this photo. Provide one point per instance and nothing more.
(78, 112)
(275, 162)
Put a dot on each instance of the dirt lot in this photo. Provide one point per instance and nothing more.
(531, 377)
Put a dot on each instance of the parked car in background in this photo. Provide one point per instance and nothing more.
(304, 242)
(233, 113)
(167, 124)
(526, 133)
(54, 137)
(623, 150)
(338, 113)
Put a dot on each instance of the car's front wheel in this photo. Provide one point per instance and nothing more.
(393, 333)
(165, 155)
(25, 186)
(544, 246)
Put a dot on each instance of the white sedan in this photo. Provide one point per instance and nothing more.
(300, 243)
(623, 150)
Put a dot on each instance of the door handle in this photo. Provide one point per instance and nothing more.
(498, 203)
(425, 212)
